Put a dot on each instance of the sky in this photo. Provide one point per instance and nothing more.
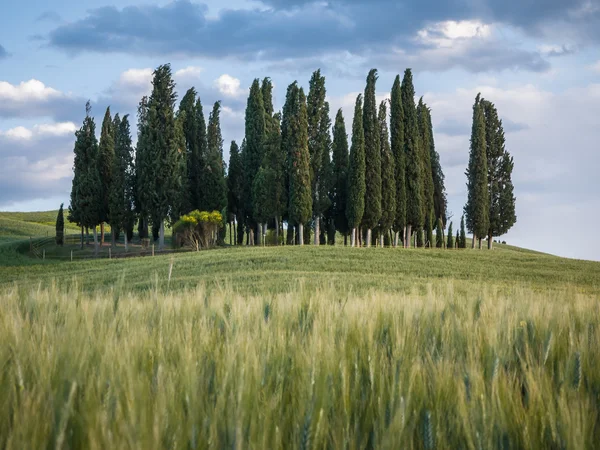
(538, 61)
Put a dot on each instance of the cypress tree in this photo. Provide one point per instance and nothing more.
(300, 200)
(355, 206)
(142, 170)
(388, 173)
(235, 179)
(439, 234)
(463, 235)
(198, 162)
(500, 165)
(397, 145)
(450, 237)
(457, 240)
(254, 150)
(213, 179)
(106, 155)
(372, 213)
(318, 143)
(189, 124)
(440, 202)
(327, 231)
(477, 207)
(340, 175)
(60, 227)
(122, 183)
(164, 151)
(412, 146)
(86, 190)
(426, 139)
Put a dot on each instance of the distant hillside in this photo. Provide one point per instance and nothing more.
(23, 225)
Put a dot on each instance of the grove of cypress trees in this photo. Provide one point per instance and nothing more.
(254, 150)
(340, 175)
(60, 227)
(106, 154)
(426, 139)
(412, 146)
(122, 183)
(235, 180)
(462, 241)
(300, 199)
(500, 165)
(164, 147)
(372, 213)
(477, 207)
(450, 237)
(439, 234)
(397, 146)
(355, 205)
(388, 176)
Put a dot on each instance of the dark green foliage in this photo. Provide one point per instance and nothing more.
(412, 149)
(121, 214)
(340, 174)
(86, 191)
(463, 235)
(477, 207)
(106, 155)
(457, 240)
(255, 138)
(165, 148)
(60, 227)
(388, 174)
(372, 213)
(188, 115)
(296, 135)
(429, 221)
(213, 179)
(355, 206)
(142, 169)
(440, 202)
(439, 234)
(426, 139)
(235, 180)
(398, 150)
(499, 165)
(450, 237)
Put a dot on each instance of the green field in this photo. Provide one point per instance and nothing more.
(313, 347)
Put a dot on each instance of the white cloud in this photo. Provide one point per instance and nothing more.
(27, 91)
(138, 78)
(446, 34)
(189, 72)
(34, 99)
(17, 134)
(21, 133)
(228, 85)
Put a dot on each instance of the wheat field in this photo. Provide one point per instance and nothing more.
(193, 369)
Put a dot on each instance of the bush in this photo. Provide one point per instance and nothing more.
(198, 229)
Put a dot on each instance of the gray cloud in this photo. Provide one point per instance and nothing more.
(301, 30)
(49, 16)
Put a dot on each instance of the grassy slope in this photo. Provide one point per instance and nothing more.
(262, 270)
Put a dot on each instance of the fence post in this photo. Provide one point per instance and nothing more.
(71, 255)
(109, 253)
(152, 249)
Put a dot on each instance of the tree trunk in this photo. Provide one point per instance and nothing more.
(317, 230)
(161, 236)
(277, 230)
(353, 238)
(396, 239)
(479, 243)
(87, 236)
(408, 236)
(443, 238)
(95, 242)
(126, 243)
(490, 241)
(289, 235)
(113, 237)
(381, 240)
(250, 236)
(474, 240)
(300, 234)
(82, 237)
(102, 234)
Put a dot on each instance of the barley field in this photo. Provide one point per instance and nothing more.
(442, 367)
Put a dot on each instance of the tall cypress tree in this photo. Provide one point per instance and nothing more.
(142, 170)
(355, 206)
(85, 209)
(122, 186)
(213, 179)
(199, 162)
(388, 175)
(106, 154)
(426, 139)
(440, 203)
(500, 165)
(372, 213)
(164, 150)
(300, 200)
(397, 145)
(412, 146)
(450, 237)
(235, 180)
(60, 227)
(327, 230)
(254, 150)
(477, 207)
(189, 124)
(463, 235)
(340, 175)
(439, 234)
